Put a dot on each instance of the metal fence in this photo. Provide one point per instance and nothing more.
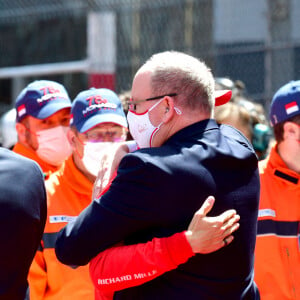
(34, 32)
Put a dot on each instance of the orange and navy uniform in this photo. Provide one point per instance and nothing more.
(68, 193)
(24, 151)
(277, 254)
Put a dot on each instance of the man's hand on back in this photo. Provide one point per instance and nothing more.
(208, 234)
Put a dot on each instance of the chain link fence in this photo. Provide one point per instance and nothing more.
(252, 41)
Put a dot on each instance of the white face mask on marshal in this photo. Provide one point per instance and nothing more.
(93, 154)
(54, 147)
(141, 128)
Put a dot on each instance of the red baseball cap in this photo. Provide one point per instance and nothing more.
(222, 97)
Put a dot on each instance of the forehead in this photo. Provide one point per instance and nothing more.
(106, 126)
(62, 113)
(141, 85)
(59, 115)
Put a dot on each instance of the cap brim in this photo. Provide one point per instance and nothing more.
(222, 97)
(99, 119)
(51, 108)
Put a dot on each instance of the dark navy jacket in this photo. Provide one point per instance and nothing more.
(23, 210)
(156, 193)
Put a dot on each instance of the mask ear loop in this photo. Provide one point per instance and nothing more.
(158, 127)
(153, 133)
(155, 104)
(177, 110)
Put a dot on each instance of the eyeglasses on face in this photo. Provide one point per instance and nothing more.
(115, 134)
(132, 104)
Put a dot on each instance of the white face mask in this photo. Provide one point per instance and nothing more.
(54, 147)
(141, 128)
(93, 154)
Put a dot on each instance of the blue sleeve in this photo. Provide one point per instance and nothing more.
(23, 211)
(125, 209)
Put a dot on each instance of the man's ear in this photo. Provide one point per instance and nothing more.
(169, 109)
(21, 131)
(71, 138)
(290, 130)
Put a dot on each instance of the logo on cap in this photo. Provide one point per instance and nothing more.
(21, 110)
(97, 103)
(50, 93)
(291, 107)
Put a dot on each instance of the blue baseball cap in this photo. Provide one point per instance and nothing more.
(285, 103)
(41, 99)
(96, 106)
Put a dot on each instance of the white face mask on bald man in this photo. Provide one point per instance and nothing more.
(141, 128)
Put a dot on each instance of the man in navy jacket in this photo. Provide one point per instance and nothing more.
(185, 156)
(22, 219)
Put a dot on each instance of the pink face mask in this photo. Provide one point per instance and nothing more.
(54, 147)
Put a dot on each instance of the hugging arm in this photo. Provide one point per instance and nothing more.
(121, 266)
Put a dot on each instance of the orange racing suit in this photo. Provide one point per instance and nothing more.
(277, 254)
(68, 193)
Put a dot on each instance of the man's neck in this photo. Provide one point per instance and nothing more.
(79, 165)
(177, 124)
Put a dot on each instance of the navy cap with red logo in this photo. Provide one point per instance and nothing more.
(285, 103)
(41, 99)
(96, 106)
